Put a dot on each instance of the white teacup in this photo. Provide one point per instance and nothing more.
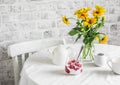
(114, 64)
(100, 59)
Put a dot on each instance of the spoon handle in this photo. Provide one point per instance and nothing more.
(80, 52)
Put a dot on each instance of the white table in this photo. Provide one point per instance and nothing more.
(39, 70)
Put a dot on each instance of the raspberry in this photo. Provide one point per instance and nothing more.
(67, 70)
(69, 62)
(72, 66)
(73, 61)
(77, 68)
(78, 64)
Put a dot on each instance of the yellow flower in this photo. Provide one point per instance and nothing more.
(99, 11)
(65, 20)
(82, 13)
(88, 9)
(104, 39)
(98, 7)
(90, 22)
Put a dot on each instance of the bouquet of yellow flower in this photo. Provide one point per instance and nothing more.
(87, 26)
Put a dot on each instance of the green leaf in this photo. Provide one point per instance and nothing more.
(73, 32)
(78, 37)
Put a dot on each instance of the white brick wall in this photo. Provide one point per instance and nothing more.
(22, 20)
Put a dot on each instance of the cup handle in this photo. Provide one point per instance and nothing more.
(109, 62)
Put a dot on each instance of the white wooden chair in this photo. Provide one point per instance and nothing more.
(21, 51)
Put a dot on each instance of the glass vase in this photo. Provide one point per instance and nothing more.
(87, 54)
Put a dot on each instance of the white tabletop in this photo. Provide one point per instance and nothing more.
(39, 70)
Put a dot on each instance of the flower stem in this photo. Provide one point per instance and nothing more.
(72, 18)
(87, 50)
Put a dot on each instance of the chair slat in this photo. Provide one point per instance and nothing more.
(26, 55)
(23, 59)
(20, 62)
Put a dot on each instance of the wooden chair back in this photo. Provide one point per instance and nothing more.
(21, 51)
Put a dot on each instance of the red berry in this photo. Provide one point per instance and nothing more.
(67, 70)
(77, 68)
(71, 66)
(78, 64)
(74, 68)
(73, 61)
(69, 62)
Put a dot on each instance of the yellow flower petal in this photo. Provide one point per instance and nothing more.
(104, 39)
(90, 22)
(65, 20)
(82, 13)
(99, 11)
(88, 9)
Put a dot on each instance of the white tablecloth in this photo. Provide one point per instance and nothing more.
(39, 70)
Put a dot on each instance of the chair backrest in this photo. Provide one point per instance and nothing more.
(21, 51)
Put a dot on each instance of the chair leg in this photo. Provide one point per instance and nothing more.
(16, 70)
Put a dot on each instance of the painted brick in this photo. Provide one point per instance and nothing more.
(28, 7)
(26, 16)
(47, 6)
(113, 27)
(7, 1)
(8, 17)
(47, 34)
(118, 19)
(46, 24)
(4, 8)
(36, 34)
(49, 15)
